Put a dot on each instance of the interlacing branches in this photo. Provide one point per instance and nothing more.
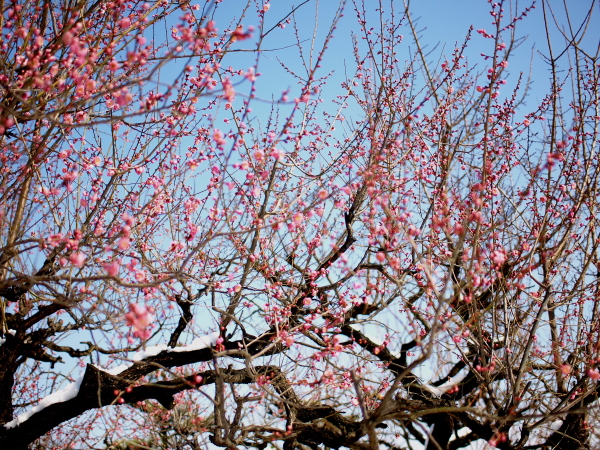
(194, 255)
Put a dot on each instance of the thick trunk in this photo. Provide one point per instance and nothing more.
(8, 366)
(573, 434)
(443, 426)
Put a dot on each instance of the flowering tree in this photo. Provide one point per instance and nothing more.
(412, 263)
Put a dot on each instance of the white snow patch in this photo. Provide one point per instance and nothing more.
(13, 332)
(556, 425)
(464, 431)
(438, 391)
(496, 341)
(198, 344)
(153, 350)
(72, 389)
(117, 370)
(67, 393)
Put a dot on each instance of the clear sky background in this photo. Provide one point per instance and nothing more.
(443, 24)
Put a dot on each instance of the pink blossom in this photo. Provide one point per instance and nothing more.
(77, 259)
(289, 340)
(67, 38)
(498, 257)
(228, 91)
(251, 74)
(277, 154)
(125, 22)
(55, 239)
(112, 269)
(140, 318)
(303, 99)
(127, 219)
(124, 243)
(593, 374)
(413, 231)
(239, 35)
(219, 138)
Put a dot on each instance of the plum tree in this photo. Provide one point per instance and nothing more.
(408, 259)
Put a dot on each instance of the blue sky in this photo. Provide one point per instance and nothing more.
(442, 23)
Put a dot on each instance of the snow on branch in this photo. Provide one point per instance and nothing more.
(62, 395)
(70, 391)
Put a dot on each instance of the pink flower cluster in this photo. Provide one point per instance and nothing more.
(140, 317)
